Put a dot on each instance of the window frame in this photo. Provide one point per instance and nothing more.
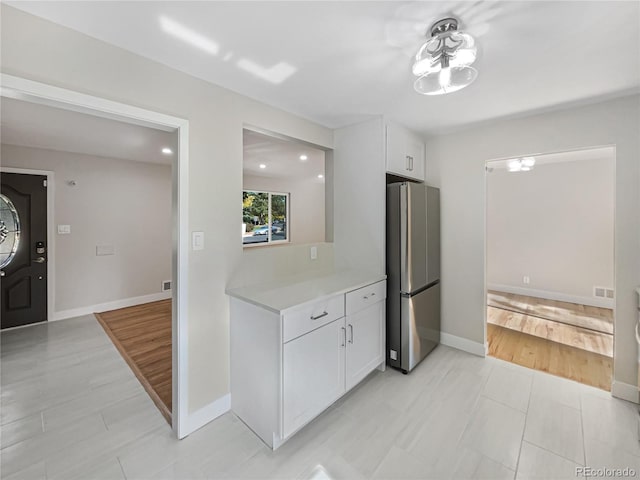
(270, 241)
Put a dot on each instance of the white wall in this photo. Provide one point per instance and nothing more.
(306, 207)
(114, 202)
(39, 50)
(264, 265)
(553, 224)
(456, 163)
(359, 196)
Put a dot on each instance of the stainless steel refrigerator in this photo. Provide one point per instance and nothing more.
(413, 273)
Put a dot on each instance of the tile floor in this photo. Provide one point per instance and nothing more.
(71, 409)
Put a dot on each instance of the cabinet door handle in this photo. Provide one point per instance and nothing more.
(408, 163)
(351, 333)
(411, 163)
(344, 336)
(323, 314)
(366, 297)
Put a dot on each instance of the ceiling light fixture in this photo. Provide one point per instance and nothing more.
(303, 157)
(443, 63)
(524, 164)
(167, 151)
(262, 165)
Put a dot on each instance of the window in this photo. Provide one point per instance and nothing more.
(265, 217)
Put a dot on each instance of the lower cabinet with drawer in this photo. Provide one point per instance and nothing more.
(286, 369)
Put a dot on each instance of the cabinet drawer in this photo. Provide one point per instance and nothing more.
(310, 317)
(365, 296)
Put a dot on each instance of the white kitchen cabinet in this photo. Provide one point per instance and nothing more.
(314, 374)
(365, 330)
(405, 152)
(365, 337)
(288, 364)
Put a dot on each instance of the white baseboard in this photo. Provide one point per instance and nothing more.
(561, 297)
(103, 307)
(200, 418)
(625, 391)
(463, 344)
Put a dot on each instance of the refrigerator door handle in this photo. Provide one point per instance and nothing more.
(405, 235)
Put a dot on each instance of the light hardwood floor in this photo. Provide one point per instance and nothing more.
(142, 335)
(556, 346)
(551, 357)
(582, 338)
(584, 316)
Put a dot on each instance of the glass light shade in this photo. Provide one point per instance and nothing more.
(445, 80)
(515, 164)
(459, 47)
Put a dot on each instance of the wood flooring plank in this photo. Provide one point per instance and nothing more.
(588, 317)
(551, 357)
(142, 335)
(593, 341)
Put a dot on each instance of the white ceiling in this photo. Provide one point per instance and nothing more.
(33, 125)
(281, 158)
(339, 62)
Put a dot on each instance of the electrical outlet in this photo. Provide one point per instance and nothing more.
(313, 252)
(526, 280)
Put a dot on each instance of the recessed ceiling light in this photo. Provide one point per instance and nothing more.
(303, 157)
(262, 165)
(320, 176)
(167, 151)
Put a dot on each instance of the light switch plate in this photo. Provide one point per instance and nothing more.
(64, 229)
(314, 253)
(197, 240)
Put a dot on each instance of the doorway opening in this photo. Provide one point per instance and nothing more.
(550, 263)
(172, 285)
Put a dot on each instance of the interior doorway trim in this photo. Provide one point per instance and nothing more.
(35, 92)
(51, 261)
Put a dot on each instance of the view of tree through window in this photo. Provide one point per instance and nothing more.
(264, 217)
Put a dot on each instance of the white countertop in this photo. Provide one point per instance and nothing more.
(292, 292)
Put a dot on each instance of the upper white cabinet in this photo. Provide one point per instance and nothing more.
(405, 152)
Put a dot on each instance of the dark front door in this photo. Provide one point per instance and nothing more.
(23, 249)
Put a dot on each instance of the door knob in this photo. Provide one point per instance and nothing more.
(39, 260)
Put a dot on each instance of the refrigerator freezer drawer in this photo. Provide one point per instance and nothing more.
(420, 329)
